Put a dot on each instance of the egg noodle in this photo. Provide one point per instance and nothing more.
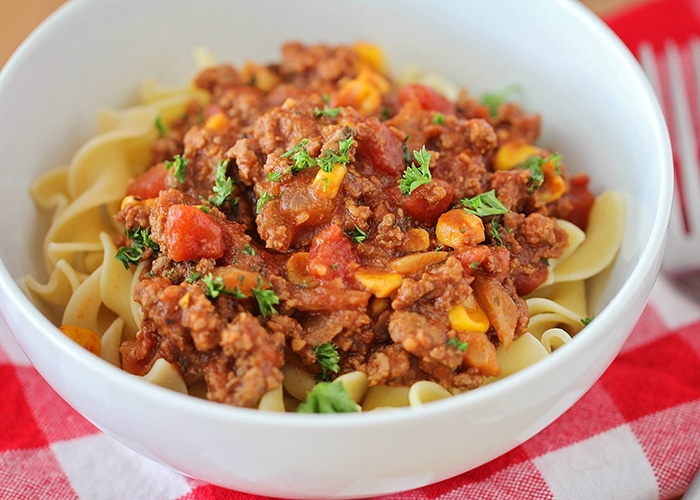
(93, 290)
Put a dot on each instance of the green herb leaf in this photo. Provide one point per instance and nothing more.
(416, 176)
(193, 277)
(140, 240)
(248, 249)
(493, 100)
(300, 156)
(358, 235)
(330, 158)
(439, 119)
(262, 200)
(454, 341)
(495, 234)
(160, 127)
(214, 286)
(587, 321)
(328, 397)
(484, 204)
(534, 165)
(327, 110)
(328, 358)
(267, 300)
(223, 184)
(179, 164)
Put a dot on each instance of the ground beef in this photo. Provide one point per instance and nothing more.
(298, 228)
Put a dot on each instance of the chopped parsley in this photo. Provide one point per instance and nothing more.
(493, 100)
(193, 277)
(484, 204)
(416, 176)
(534, 165)
(327, 110)
(330, 158)
(495, 234)
(248, 249)
(454, 341)
(179, 166)
(215, 286)
(140, 240)
(160, 127)
(267, 300)
(358, 235)
(328, 397)
(223, 184)
(328, 358)
(587, 321)
(300, 156)
(439, 119)
(262, 200)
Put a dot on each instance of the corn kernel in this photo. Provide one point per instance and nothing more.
(327, 184)
(364, 93)
(380, 283)
(456, 228)
(83, 337)
(469, 316)
(216, 122)
(514, 153)
(553, 186)
(371, 54)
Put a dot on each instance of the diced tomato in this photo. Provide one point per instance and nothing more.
(427, 202)
(428, 98)
(380, 147)
(149, 184)
(191, 234)
(332, 259)
(581, 200)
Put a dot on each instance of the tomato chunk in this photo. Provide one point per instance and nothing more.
(332, 259)
(191, 234)
(428, 98)
(149, 184)
(427, 202)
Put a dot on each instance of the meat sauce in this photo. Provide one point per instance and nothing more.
(284, 228)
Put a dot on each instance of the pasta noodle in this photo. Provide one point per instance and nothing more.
(94, 290)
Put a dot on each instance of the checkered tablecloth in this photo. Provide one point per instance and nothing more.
(634, 435)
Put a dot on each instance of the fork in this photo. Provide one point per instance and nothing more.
(674, 73)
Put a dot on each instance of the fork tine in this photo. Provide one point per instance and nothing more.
(677, 227)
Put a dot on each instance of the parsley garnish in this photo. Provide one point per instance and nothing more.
(262, 200)
(439, 119)
(223, 184)
(180, 165)
(495, 234)
(358, 235)
(328, 397)
(248, 249)
(300, 156)
(493, 100)
(160, 127)
(330, 158)
(416, 176)
(534, 165)
(215, 286)
(266, 299)
(328, 358)
(484, 204)
(454, 341)
(194, 276)
(327, 110)
(587, 321)
(140, 240)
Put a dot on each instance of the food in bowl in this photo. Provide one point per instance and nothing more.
(275, 227)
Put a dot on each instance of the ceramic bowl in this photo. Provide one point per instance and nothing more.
(596, 106)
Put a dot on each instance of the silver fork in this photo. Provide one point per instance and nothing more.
(675, 75)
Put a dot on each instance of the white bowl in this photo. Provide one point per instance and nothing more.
(596, 106)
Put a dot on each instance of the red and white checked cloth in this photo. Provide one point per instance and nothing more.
(634, 435)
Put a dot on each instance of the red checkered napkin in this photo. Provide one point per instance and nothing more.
(634, 435)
